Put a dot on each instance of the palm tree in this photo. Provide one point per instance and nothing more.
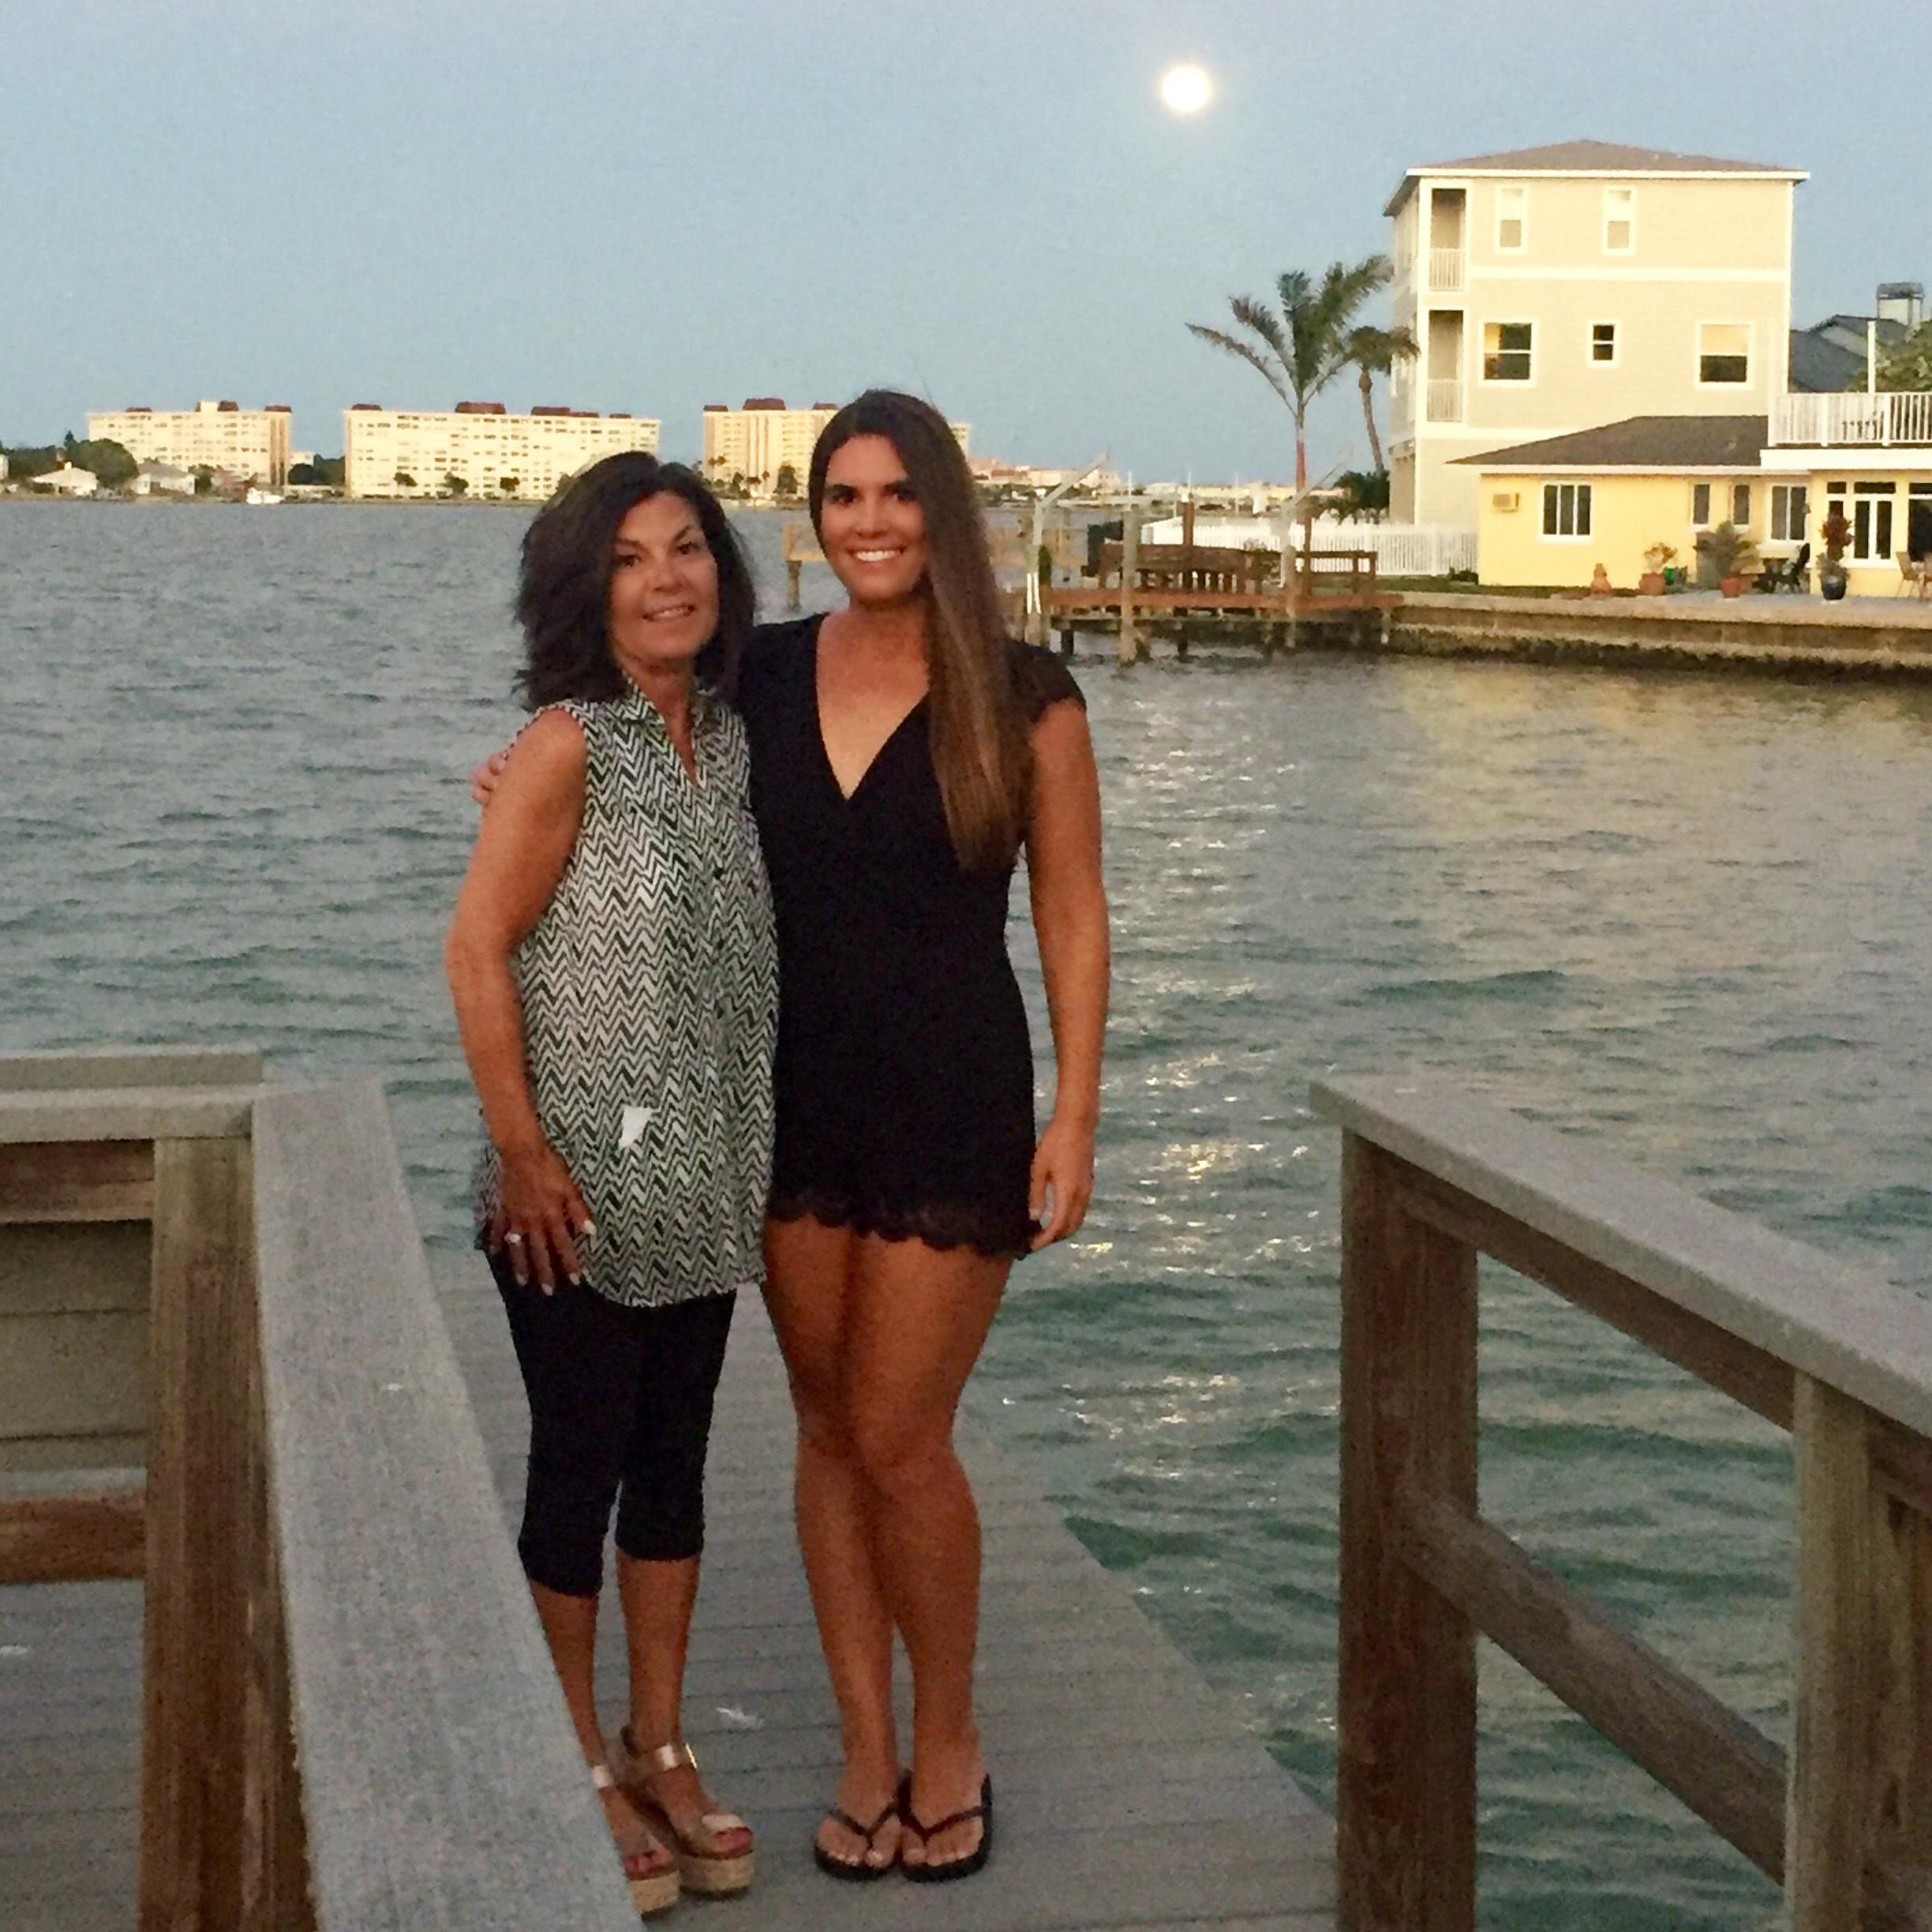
(1374, 352)
(1306, 345)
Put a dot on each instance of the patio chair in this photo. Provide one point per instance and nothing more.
(1912, 574)
(1793, 574)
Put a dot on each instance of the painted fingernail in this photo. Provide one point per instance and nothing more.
(576, 1281)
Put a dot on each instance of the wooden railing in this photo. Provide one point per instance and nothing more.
(1432, 1178)
(349, 1721)
(1445, 270)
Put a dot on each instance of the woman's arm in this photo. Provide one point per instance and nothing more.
(1070, 918)
(522, 847)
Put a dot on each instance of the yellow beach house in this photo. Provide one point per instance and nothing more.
(1548, 512)
(1869, 457)
(1552, 289)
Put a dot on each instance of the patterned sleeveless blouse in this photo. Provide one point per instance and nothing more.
(649, 990)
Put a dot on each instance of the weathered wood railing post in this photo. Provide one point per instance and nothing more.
(1130, 645)
(1432, 1176)
(1405, 1797)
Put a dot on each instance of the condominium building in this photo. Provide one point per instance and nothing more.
(754, 446)
(251, 444)
(1557, 289)
(479, 449)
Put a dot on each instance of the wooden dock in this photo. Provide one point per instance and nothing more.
(1127, 1794)
(433, 1781)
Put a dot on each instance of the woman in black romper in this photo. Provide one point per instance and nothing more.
(903, 751)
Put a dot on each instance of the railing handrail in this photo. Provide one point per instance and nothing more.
(1854, 418)
(1433, 1178)
(441, 1784)
(1827, 1318)
(65, 1068)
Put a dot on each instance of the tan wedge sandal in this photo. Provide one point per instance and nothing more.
(654, 1886)
(701, 1866)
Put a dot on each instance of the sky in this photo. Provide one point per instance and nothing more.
(650, 205)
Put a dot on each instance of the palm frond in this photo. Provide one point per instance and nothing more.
(1233, 345)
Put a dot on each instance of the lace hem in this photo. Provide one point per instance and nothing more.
(938, 1224)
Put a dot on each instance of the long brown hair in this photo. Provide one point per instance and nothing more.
(980, 751)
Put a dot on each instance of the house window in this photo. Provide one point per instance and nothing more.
(1700, 505)
(1506, 351)
(1871, 522)
(1723, 352)
(1603, 342)
(1740, 505)
(1512, 218)
(1789, 512)
(1566, 509)
(1619, 220)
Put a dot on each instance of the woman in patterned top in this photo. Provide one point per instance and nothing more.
(611, 962)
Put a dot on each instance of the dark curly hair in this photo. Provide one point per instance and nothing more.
(564, 592)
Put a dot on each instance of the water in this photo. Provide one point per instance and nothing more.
(1680, 916)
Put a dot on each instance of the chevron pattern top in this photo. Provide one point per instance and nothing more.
(650, 997)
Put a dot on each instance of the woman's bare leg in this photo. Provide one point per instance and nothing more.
(569, 1627)
(657, 1599)
(918, 1318)
(808, 1274)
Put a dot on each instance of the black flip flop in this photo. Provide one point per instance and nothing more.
(856, 1871)
(974, 1860)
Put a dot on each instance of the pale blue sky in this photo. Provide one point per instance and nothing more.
(632, 204)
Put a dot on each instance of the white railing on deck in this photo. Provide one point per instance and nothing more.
(1445, 398)
(1401, 549)
(1855, 419)
(1445, 269)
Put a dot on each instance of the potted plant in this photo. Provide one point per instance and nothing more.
(1657, 561)
(1836, 533)
(1729, 555)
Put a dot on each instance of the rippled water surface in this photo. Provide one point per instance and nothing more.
(1682, 917)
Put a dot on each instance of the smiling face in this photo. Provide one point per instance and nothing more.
(870, 523)
(663, 588)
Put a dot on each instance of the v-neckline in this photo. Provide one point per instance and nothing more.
(824, 751)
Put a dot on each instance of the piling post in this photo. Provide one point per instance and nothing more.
(1405, 1782)
(1129, 649)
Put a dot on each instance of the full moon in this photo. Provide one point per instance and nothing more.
(1186, 90)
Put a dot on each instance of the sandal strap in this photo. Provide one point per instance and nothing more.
(672, 1757)
(952, 1818)
(868, 1832)
(947, 1822)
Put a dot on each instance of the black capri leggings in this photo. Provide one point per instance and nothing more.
(620, 1411)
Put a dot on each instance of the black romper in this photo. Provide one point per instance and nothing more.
(904, 1079)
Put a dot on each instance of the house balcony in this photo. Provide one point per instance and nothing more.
(1445, 270)
(1445, 398)
(1854, 420)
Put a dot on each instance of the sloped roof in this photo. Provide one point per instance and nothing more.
(1641, 443)
(1587, 157)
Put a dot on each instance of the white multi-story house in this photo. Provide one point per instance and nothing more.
(491, 453)
(250, 443)
(1555, 289)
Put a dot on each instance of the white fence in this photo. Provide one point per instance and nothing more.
(1401, 549)
(1901, 416)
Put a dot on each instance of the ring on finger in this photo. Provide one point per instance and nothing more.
(514, 1238)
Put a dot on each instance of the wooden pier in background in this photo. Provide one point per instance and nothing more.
(1196, 591)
